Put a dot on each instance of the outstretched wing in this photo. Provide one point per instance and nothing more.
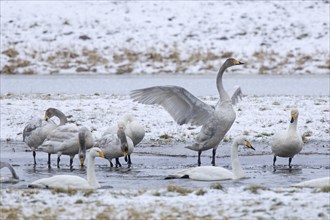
(179, 103)
(235, 94)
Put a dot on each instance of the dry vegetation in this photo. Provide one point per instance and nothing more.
(127, 61)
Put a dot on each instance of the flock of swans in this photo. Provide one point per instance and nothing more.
(119, 140)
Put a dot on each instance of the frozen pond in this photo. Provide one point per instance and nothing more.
(200, 85)
(152, 164)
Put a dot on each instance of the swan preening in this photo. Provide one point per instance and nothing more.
(212, 173)
(36, 131)
(65, 140)
(314, 183)
(8, 179)
(186, 108)
(126, 134)
(288, 143)
(71, 181)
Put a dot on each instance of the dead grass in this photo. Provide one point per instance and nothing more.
(126, 60)
(179, 190)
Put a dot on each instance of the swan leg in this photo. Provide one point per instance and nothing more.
(58, 162)
(34, 157)
(290, 159)
(213, 156)
(48, 160)
(129, 162)
(117, 162)
(71, 162)
(274, 160)
(199, 158)
(111, 164)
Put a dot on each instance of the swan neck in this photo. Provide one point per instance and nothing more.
(13, 172)
(61, 116)
(236, 165)
(293, 125)
(91, 177)
(222, 92)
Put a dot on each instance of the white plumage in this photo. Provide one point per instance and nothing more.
(288, 143)
(212, 173)
(314, 183)
(70, 181)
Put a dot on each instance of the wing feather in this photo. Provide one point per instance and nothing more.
(178, 102)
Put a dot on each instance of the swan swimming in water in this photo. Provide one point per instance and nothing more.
(36, 131)
(70, 181)
(288, 143)
(64, 140)
(116, 144)
(186, 108)
(213, 173)
(7, 179)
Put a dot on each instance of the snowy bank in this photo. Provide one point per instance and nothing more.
(151, 37)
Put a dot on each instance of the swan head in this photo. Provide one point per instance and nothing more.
(232, 62)
(242, 140)
(96, 152)
(294, 115)
(121, 125)
(128, 118)
(50, 112)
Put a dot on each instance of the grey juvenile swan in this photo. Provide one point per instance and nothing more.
(36, 131)
(116, 143)
(186, 108)
(132, 129)
(64, 140)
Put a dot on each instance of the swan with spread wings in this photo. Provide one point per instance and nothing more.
(186, 108)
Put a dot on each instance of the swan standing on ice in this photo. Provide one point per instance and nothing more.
(288, 143)
(6, 179)
(64, 140)
(186, 108)
(116, 144)
(212, 173)
(70, 181)
(133, 129)
(36, 131)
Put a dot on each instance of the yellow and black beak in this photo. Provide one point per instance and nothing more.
(46, 118)
(293, 117)
(82, 161)
(236, 62)
(248, 145)
(101, 154)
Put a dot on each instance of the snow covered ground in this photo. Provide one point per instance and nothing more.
(257, 116)
(150, 37)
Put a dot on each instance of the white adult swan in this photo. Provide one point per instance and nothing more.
(36, 131)
(212, 173)
(116, 144)
(8, 179)
(64, 140)
(70, 181)
(186, 108)
(314, 183)
(288, 143)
